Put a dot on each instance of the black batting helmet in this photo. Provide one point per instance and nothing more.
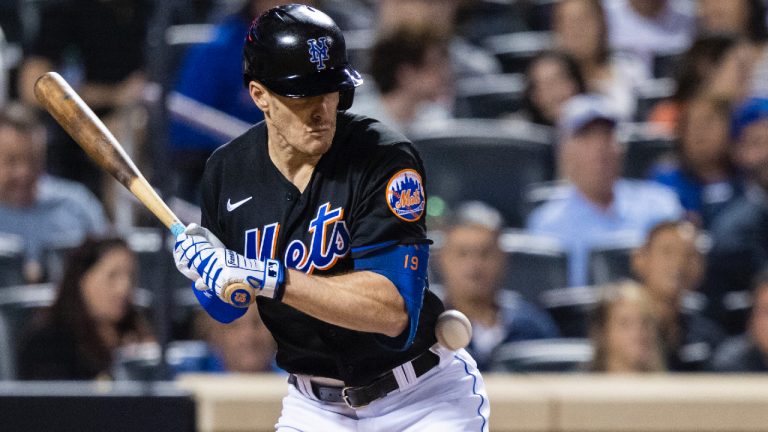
(298, 51)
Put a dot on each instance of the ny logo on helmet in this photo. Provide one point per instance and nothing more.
(318, 52)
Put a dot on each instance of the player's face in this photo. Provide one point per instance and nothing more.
(305, 126)
(107, 287)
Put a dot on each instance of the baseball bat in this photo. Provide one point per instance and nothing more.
(90, 133)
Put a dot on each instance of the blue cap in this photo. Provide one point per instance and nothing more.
(751, 111)
(583, 109)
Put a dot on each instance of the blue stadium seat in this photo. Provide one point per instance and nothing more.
(11, 260)
(489, 96)
(643, 147)
(610, 263)
(535, 264)
(516, 50)
(487, 160)
(543, 355)
(570, 308)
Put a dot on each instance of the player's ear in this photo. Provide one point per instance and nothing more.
(259, 94)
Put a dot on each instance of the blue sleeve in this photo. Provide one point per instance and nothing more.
(406, 267)
(216, 308)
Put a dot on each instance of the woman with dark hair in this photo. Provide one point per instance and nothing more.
(746, 20)
(581, 31)
(699, 70)
(703, 176)
(91, 316)
(552, 78)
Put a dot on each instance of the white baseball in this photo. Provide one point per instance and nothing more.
(453, 330)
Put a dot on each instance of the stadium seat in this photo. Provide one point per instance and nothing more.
(156, 265)
(736, 307)
(18, 305)
(542, 355)
(489, 96)
(666, 65)
(610, 263)
(487, 160)
(491, 18)
(11, 260)
(516, 50)
(7, 363)
(570, 308)
(651, 92)
(140, 362)
(535, 264)
(644, 146)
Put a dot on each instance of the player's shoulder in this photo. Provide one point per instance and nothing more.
(240, 146)
(369, 139)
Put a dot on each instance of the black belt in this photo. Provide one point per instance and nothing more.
(358, 397)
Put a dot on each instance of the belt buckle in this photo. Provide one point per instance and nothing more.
(345, 396)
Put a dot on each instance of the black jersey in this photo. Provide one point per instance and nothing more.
(362, 193)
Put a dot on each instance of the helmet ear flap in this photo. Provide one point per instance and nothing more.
(346, 97)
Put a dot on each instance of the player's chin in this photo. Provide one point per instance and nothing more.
(319, 142)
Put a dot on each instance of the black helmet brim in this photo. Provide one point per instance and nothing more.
(327, 81)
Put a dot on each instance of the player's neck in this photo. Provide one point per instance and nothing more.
(295, 166)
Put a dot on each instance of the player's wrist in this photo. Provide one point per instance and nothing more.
(271, 284)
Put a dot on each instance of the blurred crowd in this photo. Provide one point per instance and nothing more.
(598, 173)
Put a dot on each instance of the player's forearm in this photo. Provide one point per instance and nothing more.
(362, 301)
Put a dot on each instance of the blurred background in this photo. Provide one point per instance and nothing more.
(597, 173)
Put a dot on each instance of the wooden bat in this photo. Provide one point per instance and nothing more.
(69, 110)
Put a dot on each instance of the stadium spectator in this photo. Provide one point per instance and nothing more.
(670, 265)
(748, 352)
(99, 47)
(551, 79)
(412, 73)
(740, 238)
(466, 59)
(648, 28)
(692, 78)
(580, 30)
(244, 346)
(91, 316)
(45, 211)
(597, 207)
(703, 175)
(207, 90)
(624, 332)
(472, 268)
(742, 18)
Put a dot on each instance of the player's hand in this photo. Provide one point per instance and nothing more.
(202, 258)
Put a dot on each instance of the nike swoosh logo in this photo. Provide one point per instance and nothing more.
(231, 207)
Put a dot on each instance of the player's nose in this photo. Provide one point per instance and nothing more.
(325, 106)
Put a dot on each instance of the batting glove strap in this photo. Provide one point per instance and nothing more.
(274, 276)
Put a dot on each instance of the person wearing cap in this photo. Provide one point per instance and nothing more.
(740, 231)
(597, 207)
(471, 256)
(318, 216)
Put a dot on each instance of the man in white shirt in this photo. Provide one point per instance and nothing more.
(650, 27)
(42, 210)
(597, 208)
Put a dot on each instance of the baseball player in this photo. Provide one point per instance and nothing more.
(322, 212)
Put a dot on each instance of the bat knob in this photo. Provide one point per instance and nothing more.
(239, 295)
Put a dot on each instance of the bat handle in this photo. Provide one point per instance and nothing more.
(177, 228)
(239, 294)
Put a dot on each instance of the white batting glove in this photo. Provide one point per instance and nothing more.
(202, 257)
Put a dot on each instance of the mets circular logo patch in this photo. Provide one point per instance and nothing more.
(405, 195)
